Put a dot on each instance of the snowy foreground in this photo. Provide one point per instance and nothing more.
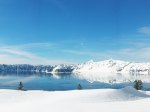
(100, 100)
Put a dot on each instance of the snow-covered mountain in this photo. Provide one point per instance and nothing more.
(113, 71)
(63, 68)
(113, 66)
(36, 68)
(90, 67)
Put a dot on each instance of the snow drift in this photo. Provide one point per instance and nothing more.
(108, 100)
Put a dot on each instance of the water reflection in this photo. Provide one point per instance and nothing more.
(113, 78)
(68, 81)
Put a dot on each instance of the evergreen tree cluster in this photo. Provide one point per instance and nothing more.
(138, 84)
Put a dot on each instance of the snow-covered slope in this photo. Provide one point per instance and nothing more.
(113, 71)
(106, 100)
(62, 68)
(106, 66)
(113, 66)
(36, 68)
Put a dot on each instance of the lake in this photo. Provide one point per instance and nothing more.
(52, 82)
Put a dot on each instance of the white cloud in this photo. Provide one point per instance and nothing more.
(31, 45)
(79, 52)
(129, 54)
(17, 55)
(17, 52)
(21, 54)
(144, 30)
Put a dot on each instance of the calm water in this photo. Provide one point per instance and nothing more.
(43, 81)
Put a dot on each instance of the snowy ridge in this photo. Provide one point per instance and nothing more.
(90, 67)
(62, 69)
(36, 68)
(113, 71)
(113, 66)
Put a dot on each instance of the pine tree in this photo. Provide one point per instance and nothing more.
(20, 87)
(138, 84)
(79, 87)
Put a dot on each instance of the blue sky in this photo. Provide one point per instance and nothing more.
(74, 31)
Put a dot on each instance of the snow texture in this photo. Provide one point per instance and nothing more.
(113, 66)
(108, 100)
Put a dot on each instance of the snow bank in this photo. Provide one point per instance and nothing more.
(108, 100)
(106, 95)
